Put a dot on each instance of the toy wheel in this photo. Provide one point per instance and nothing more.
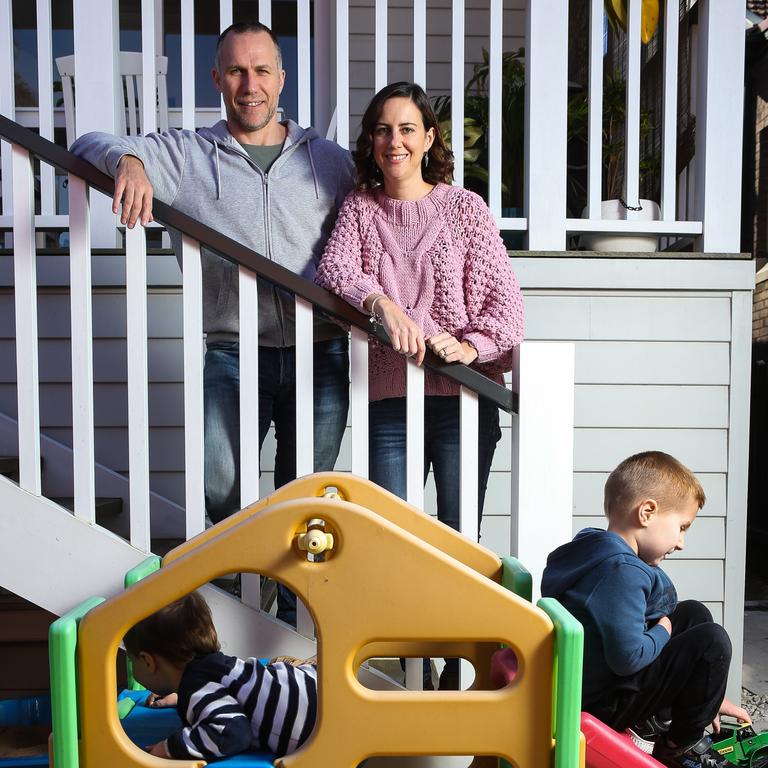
(759, 759)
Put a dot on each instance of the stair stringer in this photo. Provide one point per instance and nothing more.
(55, 560)
(167, 516)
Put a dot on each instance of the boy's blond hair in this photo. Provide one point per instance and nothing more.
(650, 475)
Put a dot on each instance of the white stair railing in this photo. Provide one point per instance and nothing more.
(545, 377)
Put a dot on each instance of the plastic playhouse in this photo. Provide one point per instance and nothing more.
(382, 562)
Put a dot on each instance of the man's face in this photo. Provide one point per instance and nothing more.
(250, 81)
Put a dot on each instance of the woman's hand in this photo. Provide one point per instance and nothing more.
(405, 336)
(451, 350)
(157, 702)
(731, 710)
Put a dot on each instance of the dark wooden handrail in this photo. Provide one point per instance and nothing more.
(239, 254)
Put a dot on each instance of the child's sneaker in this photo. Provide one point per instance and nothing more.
(644, 734)
(701, 755)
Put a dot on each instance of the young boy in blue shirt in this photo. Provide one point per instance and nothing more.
(647, 657)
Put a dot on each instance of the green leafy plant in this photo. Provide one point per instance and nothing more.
(614, 123)
(476, 126)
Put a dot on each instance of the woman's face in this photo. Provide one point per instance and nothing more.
(400, 141)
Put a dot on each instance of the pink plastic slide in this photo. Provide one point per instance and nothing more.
(608, 749)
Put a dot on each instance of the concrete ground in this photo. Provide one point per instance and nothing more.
(755, 667)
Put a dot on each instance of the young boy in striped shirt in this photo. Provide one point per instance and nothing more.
(227, 705)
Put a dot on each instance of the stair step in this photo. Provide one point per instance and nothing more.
(106, 507)
(9, 466)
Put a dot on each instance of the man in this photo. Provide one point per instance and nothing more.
(276, 188)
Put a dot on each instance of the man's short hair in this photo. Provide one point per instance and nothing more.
(650, 475)
(180, 632)
(240, 28)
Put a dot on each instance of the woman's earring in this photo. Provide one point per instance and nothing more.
(426, 158)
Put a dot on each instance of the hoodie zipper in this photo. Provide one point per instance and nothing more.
(268, 227)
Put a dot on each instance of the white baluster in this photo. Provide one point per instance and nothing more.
(457, 90)
(138, 408)
(358, 400)
(719, 111)
(342, 72)
(380, 36)
(669, 115)
(546, 97)
(148, 94)
(595, 119)
(194, 464)
(249, 413)
(420, 42)
(188, 64)
(45, 103)
(542, 452)
(82, 349)
(303, 69)
(25, 284)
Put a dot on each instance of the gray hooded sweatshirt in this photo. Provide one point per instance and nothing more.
(285, 215)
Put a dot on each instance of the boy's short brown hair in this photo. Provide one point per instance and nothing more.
(650, 475)
(180, 632)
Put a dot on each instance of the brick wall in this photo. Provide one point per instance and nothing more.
(760, 307)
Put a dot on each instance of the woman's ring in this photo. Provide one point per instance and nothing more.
(442, 353)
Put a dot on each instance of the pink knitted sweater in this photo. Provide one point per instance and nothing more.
(442, 261)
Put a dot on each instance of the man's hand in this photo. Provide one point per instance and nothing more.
(730, 709)
(133, 188)
(666, 623)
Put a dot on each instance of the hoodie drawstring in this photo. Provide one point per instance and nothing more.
(218, 173)
(312, 166)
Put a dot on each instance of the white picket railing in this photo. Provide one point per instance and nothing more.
(716, 66)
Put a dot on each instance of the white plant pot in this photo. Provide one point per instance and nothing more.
(613, 210)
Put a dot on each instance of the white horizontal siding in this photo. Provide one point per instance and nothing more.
(588, 493)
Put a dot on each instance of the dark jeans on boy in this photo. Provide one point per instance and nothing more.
(685, 683)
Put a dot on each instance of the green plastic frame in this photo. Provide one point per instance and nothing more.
(137, 573)
(569, 654)
(62, 656)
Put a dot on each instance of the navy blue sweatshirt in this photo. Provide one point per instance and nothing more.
(618, 599)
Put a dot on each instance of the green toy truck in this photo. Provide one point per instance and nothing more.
(740, 745)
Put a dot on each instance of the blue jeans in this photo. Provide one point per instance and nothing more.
(277, 403)
(441, 449)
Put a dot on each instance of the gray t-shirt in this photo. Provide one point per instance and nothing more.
(263, 156)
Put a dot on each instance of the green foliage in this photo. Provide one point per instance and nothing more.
(614, 122)
(476, 126)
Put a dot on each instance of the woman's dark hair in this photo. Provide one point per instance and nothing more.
(180, 632)
(440, 165)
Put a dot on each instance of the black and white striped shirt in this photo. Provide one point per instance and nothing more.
(230, 705)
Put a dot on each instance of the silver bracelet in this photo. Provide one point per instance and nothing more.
(374, 317)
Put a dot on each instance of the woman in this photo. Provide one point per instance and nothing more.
(425, 259)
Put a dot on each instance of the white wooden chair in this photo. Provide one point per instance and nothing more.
(131, 117)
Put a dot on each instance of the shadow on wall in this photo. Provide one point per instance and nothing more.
(757, 505)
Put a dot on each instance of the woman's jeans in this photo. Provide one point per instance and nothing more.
(441, 449)
(277, 403)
